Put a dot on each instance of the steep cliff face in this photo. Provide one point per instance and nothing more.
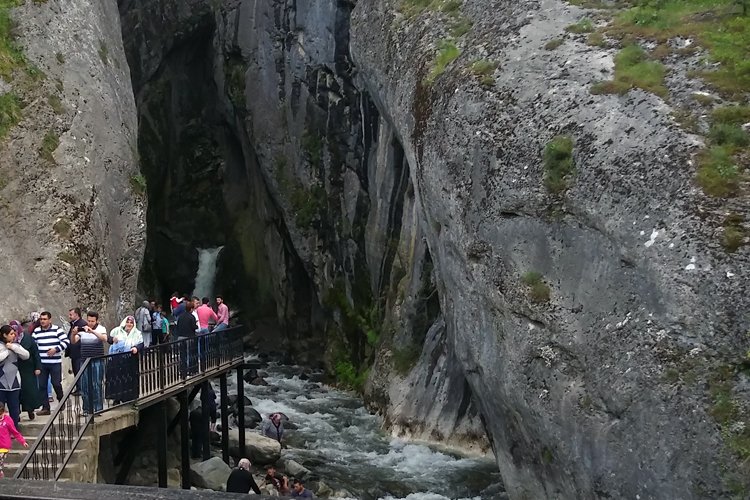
(378, 173)
(578, 393)
(72, 214)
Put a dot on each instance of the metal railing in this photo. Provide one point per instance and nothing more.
(114, 380)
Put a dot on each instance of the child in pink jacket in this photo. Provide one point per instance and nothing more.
(7, 431)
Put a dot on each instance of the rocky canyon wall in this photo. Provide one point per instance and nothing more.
(72, 211)
(396, 221)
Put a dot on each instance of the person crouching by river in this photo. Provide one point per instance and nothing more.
(10, 380)
(241, 479)
(122, 383)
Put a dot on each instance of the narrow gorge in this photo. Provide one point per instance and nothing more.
(444, 204)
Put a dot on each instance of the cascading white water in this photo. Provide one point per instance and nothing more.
(206, 275)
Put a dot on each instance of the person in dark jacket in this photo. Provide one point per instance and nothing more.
(185, 329)
(241, 479)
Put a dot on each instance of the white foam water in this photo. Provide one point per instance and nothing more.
(206, 275)
(342, 444)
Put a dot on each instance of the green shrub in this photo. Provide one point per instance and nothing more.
(531, 278)
(138, 184)
(60, 57)
(103, 52)
(68, 258)
(460, 26)
(733, 115)
(553, 44)
(633, 69)
(538, 289)
(583, 26)
(50, 143)
(11, 56)
(446, 54)
(450, 6)
(726, 134)
(734, 232)
(56, 104)
(10, 112)
(558, 163)
(483, 69)
(405, 359)
(347, 376)
(62, 227)
(596, 39)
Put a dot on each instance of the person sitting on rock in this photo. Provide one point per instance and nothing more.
(241, 479)
(274, 428)
(279, 485)
(299, 491)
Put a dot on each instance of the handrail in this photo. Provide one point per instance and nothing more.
(114, 380)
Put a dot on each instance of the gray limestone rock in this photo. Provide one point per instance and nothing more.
(211, 474)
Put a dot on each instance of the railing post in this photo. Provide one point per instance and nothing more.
(90, 389)
(205, 419)
(224, 418)
(162, 368)
(241, 410)
(161, 446)
(184, 440)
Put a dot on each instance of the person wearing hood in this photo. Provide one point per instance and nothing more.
(274, 427)
(122, 383)
(29, 369)
(10, 381)
(143, 321)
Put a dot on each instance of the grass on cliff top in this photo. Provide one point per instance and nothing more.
(717, 25)
(722, 165)
(10, 112)
(11, 56)
(634, 69)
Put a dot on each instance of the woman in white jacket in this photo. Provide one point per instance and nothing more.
(10, 380)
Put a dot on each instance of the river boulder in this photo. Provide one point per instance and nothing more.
(211, 474)
(295, 469)
(259, 449)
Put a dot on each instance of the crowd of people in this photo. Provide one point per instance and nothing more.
(32, 351)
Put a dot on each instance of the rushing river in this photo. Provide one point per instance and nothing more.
(339, 441)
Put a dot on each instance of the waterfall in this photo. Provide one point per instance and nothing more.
(206, 275)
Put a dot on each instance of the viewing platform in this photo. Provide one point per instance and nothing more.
(107, 396)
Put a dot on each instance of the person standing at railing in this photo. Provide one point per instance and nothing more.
(122, 368)
(74, 349)
(29, 370)
(8, 432)
(222, 314)
(51, 341)
(90, 339)
(10, 380)
(143, 322)
(185, 329)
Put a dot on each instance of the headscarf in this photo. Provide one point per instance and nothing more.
(18, 329)
(244, 464)
(131, 339)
